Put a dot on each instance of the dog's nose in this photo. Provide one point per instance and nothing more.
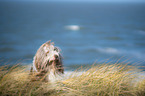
(56, 56)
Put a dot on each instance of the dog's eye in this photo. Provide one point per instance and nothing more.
(55, 49)
(47, 52)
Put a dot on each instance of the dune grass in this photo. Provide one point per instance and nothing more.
(98, 80)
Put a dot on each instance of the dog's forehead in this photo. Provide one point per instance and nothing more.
(51, 47)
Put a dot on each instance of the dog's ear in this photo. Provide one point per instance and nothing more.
(48, 42)
(46, 50)
(52, 43)
(46, 46)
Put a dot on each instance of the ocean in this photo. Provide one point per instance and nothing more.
(86, 32)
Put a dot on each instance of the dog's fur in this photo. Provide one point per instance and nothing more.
(48, 60)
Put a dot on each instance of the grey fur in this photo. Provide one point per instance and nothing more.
(44, 60)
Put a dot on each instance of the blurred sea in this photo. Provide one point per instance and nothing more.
(85, 31)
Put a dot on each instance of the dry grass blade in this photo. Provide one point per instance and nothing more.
(99, 80)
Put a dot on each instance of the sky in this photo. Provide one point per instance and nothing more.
(101, 0)
(84, 0)
(95, 0)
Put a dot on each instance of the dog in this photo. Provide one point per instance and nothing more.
(48, 61)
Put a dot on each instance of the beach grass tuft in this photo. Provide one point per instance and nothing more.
(98, 80)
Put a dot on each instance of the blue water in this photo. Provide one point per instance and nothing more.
(106, 30)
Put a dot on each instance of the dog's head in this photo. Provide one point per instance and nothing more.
(52, 53)
(48, 58)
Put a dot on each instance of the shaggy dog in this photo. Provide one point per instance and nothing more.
(48, 61)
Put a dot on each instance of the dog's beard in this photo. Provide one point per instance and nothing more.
(55, 66)
(55, 72)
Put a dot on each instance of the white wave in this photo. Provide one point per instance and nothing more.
(69, 73)
(123, 52)
(142, 32)
(108, 50)
(72, 27)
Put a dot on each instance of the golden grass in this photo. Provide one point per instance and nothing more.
(99, 80)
